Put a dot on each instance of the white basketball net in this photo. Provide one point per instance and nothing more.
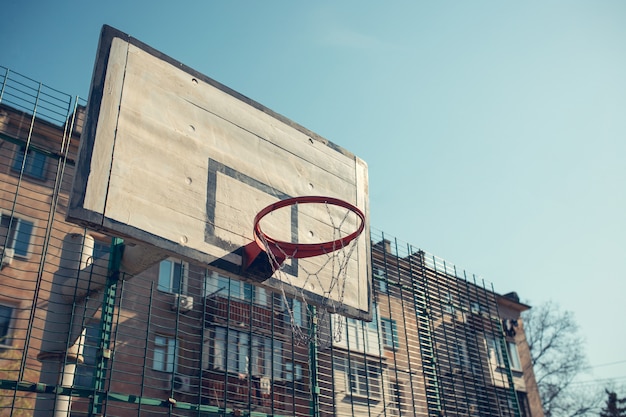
(333, 264)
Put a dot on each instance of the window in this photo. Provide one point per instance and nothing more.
(381, 279)
(496, 355)
(360, 338)
(292, 372)
(357, 335)
(299, 311)
(447, 302)
(16, 234)
(363, 379)
(395, 397)
(460, 359)
(100, 249)
(524, 406)
(495, 351)
(389, 333)
(232, 351)
(35, 165)
(266, 355)
(516, 365)
(172, 276)
(5, 325)
(85, 371)
(224, 287)
(164, 356)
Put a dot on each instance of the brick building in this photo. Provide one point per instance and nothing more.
(83, 334)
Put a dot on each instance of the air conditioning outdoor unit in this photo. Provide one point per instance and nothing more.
(182, 383)
(182, 303)
(266, 386)
(7, 257)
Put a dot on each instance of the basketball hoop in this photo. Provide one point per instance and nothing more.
(277, 251)
(266, 257)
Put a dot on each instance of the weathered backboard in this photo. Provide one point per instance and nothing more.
(171, 158)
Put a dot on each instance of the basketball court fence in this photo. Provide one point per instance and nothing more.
(80, 335)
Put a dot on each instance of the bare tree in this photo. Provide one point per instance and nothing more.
(615, 407)
(558, 356)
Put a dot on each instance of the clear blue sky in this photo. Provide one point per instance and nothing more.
(495, 132)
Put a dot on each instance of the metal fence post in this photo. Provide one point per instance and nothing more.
(106, 327)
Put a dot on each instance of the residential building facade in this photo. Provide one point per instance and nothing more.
(81, 335)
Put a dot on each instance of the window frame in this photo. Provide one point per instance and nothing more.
(7, 326)
(169, 287)
(396, 396)
(84, 375)
(239, 352)
(448, 303)
(101, 248)
(514, 358)
(293, 372)
(222, 286)
(380, 276)
(363, 379)
(33, 167)
(460, 356)
(168, 349)
(299, 310)
(389, 333)
(494, 350)
(13, 227)
(358, 336)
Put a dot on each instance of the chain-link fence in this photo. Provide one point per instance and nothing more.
(79, 338)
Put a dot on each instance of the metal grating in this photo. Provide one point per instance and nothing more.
(78, 338)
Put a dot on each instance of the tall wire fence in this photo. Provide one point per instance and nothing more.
(80, 338)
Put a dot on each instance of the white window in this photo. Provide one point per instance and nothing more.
(360, 337)
(16, 234)
(172, 276)
(495, 351)
(164, 356)
(389, 333)
(357, 335)
(514, 356)
(233, 352)
(496, 355)
(222, 286)
(35, 165)
(6, 314)
(363, 379)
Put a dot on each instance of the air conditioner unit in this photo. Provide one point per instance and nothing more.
(266, 386)
(182, 303)
(182, 383)
(7, 257)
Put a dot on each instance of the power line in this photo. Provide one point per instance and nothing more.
(618, 379)
(604, 364)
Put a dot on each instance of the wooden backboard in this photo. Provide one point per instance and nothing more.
(172, 158)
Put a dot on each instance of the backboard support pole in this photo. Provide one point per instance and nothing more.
(257, 264)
